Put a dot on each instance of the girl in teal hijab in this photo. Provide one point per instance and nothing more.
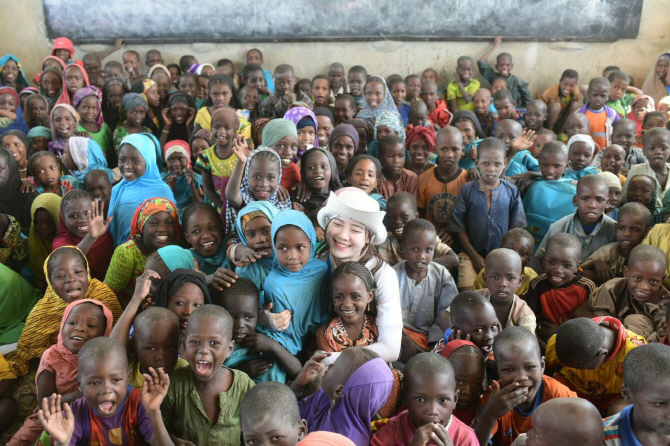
(12, 74)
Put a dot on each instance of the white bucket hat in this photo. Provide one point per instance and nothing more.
(353, 203)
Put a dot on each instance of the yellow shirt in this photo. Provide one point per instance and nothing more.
(528, 275)
(659, 236)
(454, 92)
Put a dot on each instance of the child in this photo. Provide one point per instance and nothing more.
(438, 114)
(608, 261)
(39, 138)
(250, 99)
(580, 155)
(622, 94)
(642, 190)
(345, 108)
(16, 142)
(588, 223)
(133, 66)
(253, 76)
(64, 122)
(351, 393)
(413, 84)
(485, 211)
(321, 90)
(420, 146)
(517, 86)
(599, 115)
(120, 414)
(36, 111)
(133, 111)
(74, 79)
(541, 212)
(518, 159)
(576, 124)
(378, 101)
(473, 316)
(88, 103)
(325, 121)
(439, 187)
(634, 299)
(656, 150)
(343, 144)
(430, 396)
(255, 56)
(612, 161)
(84, 154)
(562, 100)
(45, 213)
(178, 117)
(536, 115)
(114, 70)
(418, 114)
(483, 102)
(221, 93)
(51, 85)
(275, 106)
(182, 291)
(591, 353)
(461, 90)
(112, 98)
(364, 172)
(153, 57)
(186, 185)
(506, 408)
(357, 76)
(468, 124)
(318, 169)
(398, 92)
(505, 109)
(13, 201)
(395, 178)
(624, 134)
(426, 289)
(96, 183)
(469, 371)
(194, 406)
(306, 125)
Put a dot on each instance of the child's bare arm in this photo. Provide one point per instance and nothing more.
(121, 330)
(118, 44)
(8, 114)
(311, 373)
(496, 43)
(634, 91)
(154, 389)
(453, 105)
(449, 260)
(46, 386)
(210, 192)
(233, 187)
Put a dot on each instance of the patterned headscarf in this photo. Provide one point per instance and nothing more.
(147, 209)
(296, 115)
(57, 145)
(390, 120)
(371, 115)
(86, 92)
(147, 84)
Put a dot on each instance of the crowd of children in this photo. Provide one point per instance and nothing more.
(196, 256)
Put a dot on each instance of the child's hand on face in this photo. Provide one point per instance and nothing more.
(431, 434)
(524, 141)
(241, 148)
(58, 424)
(142, 288)
(96, 219)
(223, 278)
(505, 399)
(154, 389)
(27, 187)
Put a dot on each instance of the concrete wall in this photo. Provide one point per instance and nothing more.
(538, 63)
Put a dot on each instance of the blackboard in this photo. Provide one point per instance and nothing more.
(154, 21)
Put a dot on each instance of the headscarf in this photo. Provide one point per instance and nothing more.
(63, 43)
(391, 121)
(611, 179)
(87, 155)
(26, 115)
(582, 138)
(59, 74)
(371, 115)
(181, 188)
(38, 249)
(341, 130)
(470, 116)
(132, 100)
(57, 59)
(23, 137)
(85, 92)
(177, 146)
(293, 218)
(157, 67)
(323, 438)
(60, 361)
(12, 201)
(151, 207)
(296, 115)
(454, 345)
(176, 257)
(257, 271)
(650, 107)
(147, 84)
(21, 78)
(277, 129)
(65, 95)
(359, 123)
(653, 85)
(10, 91)
(420, 132)
(323, 111)
(57, 145)
(37, 132)
(182, 98)
(175, 280)
(127, 195)
(196, 68)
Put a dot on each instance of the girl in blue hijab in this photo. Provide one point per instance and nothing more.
(82, 155)
(12, 74)
(141, 180)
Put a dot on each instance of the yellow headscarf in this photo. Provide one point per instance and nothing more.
(38, 250)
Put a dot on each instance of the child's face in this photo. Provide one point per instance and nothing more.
(284, 84)
(206, 346)
(336, 76)
(115, 95)
(135, 116)
(188, 85)
(560, 265)
(131, 164)
(505, 108)
(74, 80)
(153, 98)
(292, 248)
(482, 326)
(645, 280)
(10, 71)
(393, 159)
(254, 57)
(522, 364)
(69, 277)
(364, 176)
(523, 246)
(348, 237)
(418, 117)
(429, 94)
(356, 83)
(578, 125)
(273, 430)
(580, 155)
(630, 231)
(482, 101)
(507, 132)
(88, 109)
(317, 171)
(614, 199)
(351, 298)
(153, 58)
(15, 146)
(50, 84)
(156, 345)
(398, 214)
(203, 232)
(430, 399)
(613, 159)
(419, 251)
(343, 111)
(449, 149)
(244, 310)
(468, 131)
(398, 93)
(160, 230)
(4, 170)
(113, 73)
(258, 233)
(641, 190)
(263, 178)
(418, 152)
(39, 144)
(653, 121)
(502, 280)
(567, 86)
(343, 150)
(491, 165)
(256, 79)
(184, 302)
(198, 146)
(85, 322)
(504, 65)
(469, 375)
(76, 217)
(591, 201)
(131, 63)
(657, 150)
(325, 126)
(174, 75)
(598, 95)
(535, 116)
(45, 226)
(287, 149)
(618, 89)
(552, 165)
(497, 85)
(306, 137)
(640, 109)
(413, 87)
(224, 131)
(652, 405)
(321, 90)
(374, 94)
(429, 76)
(220, 94)
(177, 163)
(104, 383)
(250, 98)
(8, 103)
(464, 69)
(98, 186)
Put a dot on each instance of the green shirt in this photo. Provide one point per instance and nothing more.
(622, 105)
(185, 417)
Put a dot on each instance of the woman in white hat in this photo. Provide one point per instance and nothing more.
(353, 224)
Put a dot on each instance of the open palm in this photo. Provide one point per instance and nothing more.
(58, 424)
(97, 223)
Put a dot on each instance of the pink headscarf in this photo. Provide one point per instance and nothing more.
(85, 92)
(650, 107)
(65, 95)
(322, 438)
(452, 346)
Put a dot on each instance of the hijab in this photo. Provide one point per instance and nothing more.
(175, 280)
(147, 209)
(341, 130)
(295, 115)
(57, 59)
(370, 115)
(650, 107)
(12, 201)
(176, 257)
(37, 132)
(181, 188)
(470, 116)
(157, 67)
(390, 121)
(87, 155)
(277, 129)
(59, 74)
(57, 145)
(21, 78)
(65, 94)
(85, 92)
(420, 132)
(653, 85)
(38, 249)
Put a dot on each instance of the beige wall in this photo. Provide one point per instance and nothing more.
(538, 63)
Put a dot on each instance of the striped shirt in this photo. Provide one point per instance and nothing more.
(619, 429)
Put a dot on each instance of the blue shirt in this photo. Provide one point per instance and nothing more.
(619, 429)
(573, 174)
(522, 162)
(269, 80)
(485, 228)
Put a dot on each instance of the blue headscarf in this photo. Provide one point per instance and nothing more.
(127, 195)
(176, 257)
(88, 155)
(21, 79)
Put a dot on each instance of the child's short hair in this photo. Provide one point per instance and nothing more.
(428, 364)
(388, 142)
(564, 241)
(464, 304)
(505, 254)
(358, 69)
(322, 77)
(212, 311)
(501, 56)
(464, 59)
(193, 207)
(358, 356)
(156, 315)
(578, 341)
(335, 66)
(223, 62)
(347, 97)
(403, 197)
(132, 53)
(637, 210)
(515, 336)
(648, 253)
(284, 404)
(410, 77)
(416, 226)
(242, 287)
(651, 115)
(503, 94)
(598, 82)
(186, 61)
(255, 50)
(645, 364)
(653, 133)
(283, 69)
(591, 181)
(37, 155)
(618, 74)
(519, 232)
(554, 148)
(392, 82)
(74, 195)
(250, 68)
(570, 74)
(491, 144)
(174, 65)
(547, 132)
(610, 68)
(96, 173)
(99, 348)
(355, 160)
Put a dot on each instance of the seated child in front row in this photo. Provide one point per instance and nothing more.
(609, 261)
(646, 387)
(395, 178)
(400, 209)
(469, 371)
(426, 290)
(635, 298)
(580, 155)
(506, 409)
(108, 412)
(590, 353)
(430, 396)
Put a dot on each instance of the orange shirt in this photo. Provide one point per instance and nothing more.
(438, 198)
(598, 122)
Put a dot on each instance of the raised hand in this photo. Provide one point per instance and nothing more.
(96, 219)
(143, 284)
(524, 141)
(241, 148)
(58, 424)
(313, 369)
(154, 389)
